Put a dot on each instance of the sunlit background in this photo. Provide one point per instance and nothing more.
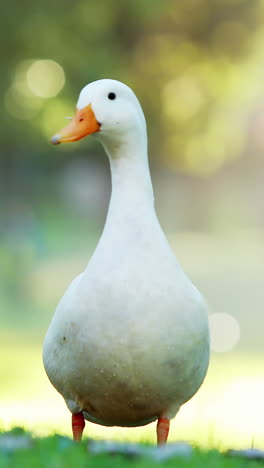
(198, 69)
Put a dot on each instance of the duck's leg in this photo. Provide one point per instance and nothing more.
(78, 424)
(163, 427)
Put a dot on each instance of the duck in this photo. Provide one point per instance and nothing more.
(129, 341)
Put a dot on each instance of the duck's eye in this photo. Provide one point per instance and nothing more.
(81, 119)
(111, 96)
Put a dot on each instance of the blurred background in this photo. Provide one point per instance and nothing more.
(198, 69)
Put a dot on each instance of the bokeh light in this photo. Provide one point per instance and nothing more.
(32, 82)
(53, 117)
(225, 332)
(45, 78)
(182, 98)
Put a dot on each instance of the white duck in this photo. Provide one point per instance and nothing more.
(129, 342)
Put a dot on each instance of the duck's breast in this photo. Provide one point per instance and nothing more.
(130, 333)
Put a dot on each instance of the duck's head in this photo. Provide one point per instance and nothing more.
(106, 108)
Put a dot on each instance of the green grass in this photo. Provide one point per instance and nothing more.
(61, 452)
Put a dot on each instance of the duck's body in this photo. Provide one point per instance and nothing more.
(128, 343)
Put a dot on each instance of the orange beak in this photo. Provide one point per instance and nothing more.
(83, 123)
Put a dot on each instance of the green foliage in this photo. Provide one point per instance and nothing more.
(60, 452)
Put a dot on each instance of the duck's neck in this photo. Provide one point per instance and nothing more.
(132, 193)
